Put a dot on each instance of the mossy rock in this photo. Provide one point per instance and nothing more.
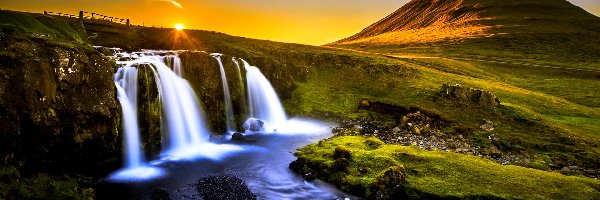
(394, 172)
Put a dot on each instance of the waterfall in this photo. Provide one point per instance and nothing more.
(134, 165)
(241, 91)
(174, 62)
(182, 123)
(227, 96)
(126, 77)
(184, 133)
(263, 102)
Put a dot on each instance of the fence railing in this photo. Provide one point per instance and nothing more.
(83, 15)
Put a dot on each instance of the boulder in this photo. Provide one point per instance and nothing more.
(238, 137)
(253, 124)
(487, 125)
(365, 103)
(223, 187)
(470, 95)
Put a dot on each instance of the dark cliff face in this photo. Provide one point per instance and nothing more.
(57, 108)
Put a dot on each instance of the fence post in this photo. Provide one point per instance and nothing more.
(127, 22)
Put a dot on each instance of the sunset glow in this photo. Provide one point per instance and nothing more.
(284, 21)
(179, 26)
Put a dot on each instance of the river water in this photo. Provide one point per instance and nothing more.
(263, 165)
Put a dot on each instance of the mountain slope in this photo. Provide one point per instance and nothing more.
(553, 32)
(461, 15)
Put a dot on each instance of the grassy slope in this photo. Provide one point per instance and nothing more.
(46, 28)
(438, 174)
(552, 32)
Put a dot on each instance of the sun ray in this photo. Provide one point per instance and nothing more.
(174, 2)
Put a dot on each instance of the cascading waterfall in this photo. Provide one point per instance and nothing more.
(242, 100)
(183, 124)
(127, 78)
(263, 102)
(226, 94)
(134, 165)
(185, 135)
(174, 62)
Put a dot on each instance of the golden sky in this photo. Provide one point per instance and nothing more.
(307, 21)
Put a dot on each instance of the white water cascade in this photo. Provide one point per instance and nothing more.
(127, 78)
(263, 102)
(134, 167)
(183, 123)
(174, 62)
(226, 95)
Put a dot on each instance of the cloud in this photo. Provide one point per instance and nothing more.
(174, 2)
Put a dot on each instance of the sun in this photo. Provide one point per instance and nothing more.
(179, 26)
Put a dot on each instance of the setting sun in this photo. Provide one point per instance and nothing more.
(179, 26)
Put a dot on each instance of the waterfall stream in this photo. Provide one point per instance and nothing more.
(263, 102)
(226, 95)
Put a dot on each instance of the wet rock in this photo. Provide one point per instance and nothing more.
(160, 194)
(253, 124)
(224, 187)
(300, 166)
(238, 137)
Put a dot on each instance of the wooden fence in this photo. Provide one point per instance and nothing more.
(83, 15)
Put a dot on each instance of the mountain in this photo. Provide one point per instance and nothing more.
(447, 18)
(519, 29)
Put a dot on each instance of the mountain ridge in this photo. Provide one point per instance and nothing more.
(467, 18)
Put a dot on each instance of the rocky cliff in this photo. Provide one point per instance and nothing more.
(58, 108)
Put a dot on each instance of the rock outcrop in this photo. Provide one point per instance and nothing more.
(57, 106)
(470, 95)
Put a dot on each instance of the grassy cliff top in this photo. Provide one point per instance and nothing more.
(59, 30)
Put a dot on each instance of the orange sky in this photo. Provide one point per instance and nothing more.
(308, 21)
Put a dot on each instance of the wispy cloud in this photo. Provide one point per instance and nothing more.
(174, 2)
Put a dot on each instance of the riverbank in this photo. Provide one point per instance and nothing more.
(369, 168)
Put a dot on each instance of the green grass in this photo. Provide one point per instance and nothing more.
(59, 31)
(528, 120)
(438, 174)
